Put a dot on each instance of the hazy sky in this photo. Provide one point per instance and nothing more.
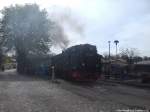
(98, 21)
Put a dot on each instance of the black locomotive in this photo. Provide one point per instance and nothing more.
(80, 63)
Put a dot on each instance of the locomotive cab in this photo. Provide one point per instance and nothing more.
(80, 63)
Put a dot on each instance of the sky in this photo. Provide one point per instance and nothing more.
(99, 21)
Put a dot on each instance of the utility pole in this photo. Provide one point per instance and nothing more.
(53, 73)
(116, 50)
(109, 49)
(109, 62)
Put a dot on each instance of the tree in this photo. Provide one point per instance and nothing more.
(1, 57)
(145, 58)
(130, 55)
(28, 30)
(1, 44)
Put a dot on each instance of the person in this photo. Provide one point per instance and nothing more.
(124, 74)
(3, 68)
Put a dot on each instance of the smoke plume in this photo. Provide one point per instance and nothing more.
(68, 22)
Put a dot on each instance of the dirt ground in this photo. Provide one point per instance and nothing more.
(20, 93)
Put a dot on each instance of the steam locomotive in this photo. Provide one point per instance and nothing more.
(79, 63)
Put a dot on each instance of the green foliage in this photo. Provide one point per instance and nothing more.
(1, 44)
(26, 28)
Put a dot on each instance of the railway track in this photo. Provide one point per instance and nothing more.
(127, 83)
(109, 92)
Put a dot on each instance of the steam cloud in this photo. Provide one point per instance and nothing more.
(65, 21)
